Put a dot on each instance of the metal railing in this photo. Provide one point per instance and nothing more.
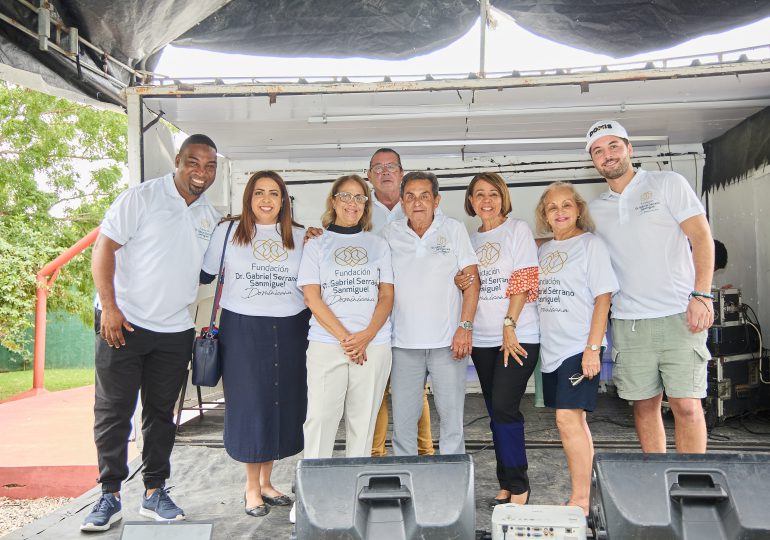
(45, 280)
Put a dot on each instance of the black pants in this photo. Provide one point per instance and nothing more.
(155, 363)
(503, 388)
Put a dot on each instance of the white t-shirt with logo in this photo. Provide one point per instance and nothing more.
(158, 268)
(501, 251)
(573, 273)
(261, 277)
(426, 309)
(650, 253)
(349, 269)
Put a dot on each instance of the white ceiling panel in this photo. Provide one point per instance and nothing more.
(548, 113)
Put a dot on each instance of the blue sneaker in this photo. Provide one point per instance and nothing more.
(160, 507)
(105, 512)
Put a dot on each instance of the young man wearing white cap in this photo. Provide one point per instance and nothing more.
(663, 309)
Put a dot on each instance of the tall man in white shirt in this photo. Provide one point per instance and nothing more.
(385, 173)
(146, 264)
(432, 319)
(663, 309)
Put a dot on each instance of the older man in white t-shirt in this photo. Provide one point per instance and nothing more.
(432, 319)
(663, 308)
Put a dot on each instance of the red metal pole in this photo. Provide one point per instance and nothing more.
(43, 286)
(38, 368)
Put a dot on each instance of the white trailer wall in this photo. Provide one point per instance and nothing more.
(739, 219)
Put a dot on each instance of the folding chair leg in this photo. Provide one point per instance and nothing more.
(200, 401)
(182, 395)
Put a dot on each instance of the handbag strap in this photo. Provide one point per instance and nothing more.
(220, 280)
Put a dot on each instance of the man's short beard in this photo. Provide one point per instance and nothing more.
(617, 172)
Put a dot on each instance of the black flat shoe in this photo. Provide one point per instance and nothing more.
(495, 501)
(280, 500)
(257, 511)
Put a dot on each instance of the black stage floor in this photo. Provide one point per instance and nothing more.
(209, 485)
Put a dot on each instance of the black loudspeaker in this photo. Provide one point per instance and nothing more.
(680, 496)
(388, 498)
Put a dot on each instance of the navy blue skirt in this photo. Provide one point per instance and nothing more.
(264, 374)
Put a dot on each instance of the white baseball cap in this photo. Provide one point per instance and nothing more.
(602, 128)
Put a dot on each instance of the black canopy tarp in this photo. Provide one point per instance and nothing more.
(733, 155)
(134, 31)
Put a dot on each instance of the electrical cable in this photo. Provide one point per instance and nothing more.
(761, 349)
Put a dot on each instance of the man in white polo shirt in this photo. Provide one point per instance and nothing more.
(385, 173)
(146, 264)
(432, 319)
(663, 309)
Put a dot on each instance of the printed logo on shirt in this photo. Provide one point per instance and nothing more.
(351, 256)
(352, 285)
(551, 290)
(647, 203)
(441, 246)
(204, 230)
(553, 262)
(270, 250)
(488, 253)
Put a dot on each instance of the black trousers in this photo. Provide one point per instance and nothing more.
(503, 388)
(155, 364)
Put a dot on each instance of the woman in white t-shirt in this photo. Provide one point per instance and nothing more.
(576, 284)
(505, 329)
(262, 336)
(347, 280)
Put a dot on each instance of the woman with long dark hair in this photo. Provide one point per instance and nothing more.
(262, 336)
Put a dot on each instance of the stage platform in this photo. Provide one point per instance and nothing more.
(209, 485)
(47, 445)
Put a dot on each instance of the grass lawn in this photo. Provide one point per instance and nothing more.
(16, 382)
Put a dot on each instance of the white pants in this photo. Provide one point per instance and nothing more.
(335, 384)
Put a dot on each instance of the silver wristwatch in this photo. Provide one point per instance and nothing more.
(593, 347)
(466, 325)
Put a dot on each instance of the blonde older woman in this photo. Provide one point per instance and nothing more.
(576, 284)
(347, 281)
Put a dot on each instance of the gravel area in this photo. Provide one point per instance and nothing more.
(15, 513)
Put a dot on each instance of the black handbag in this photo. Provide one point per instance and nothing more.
(206, 365)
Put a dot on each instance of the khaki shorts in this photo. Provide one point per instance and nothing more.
(653, 355)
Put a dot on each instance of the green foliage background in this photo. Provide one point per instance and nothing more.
(48, 201)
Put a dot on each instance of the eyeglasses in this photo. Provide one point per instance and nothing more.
(346, 197)
(576, 379)
(425, 197)
(390, 167)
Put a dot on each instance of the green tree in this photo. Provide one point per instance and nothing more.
(61, 165)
